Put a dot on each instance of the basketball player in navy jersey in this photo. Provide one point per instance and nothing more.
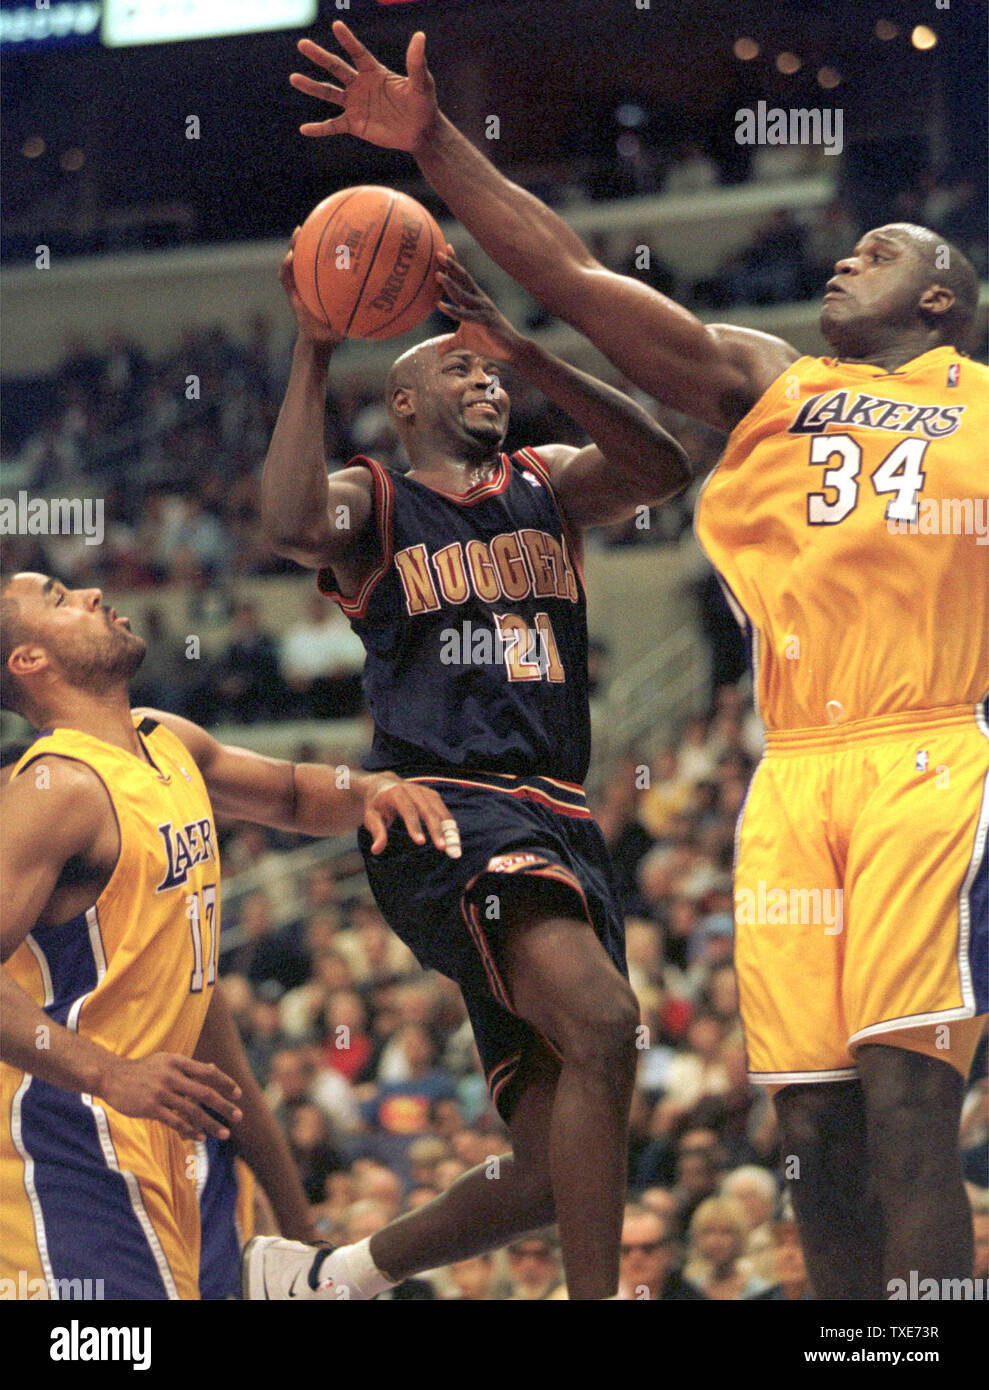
(462, 578)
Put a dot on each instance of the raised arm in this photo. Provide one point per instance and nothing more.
(632, 462)
(715, 372)
(66, 820)
(306, 515)
(311, 798)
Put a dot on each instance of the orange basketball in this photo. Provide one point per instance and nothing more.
(365, 262)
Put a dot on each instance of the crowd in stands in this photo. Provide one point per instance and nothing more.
(310, 670)
(370, 1066)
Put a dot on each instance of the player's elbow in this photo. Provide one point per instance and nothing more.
(677, 474)
(305, 545)
(665, 471)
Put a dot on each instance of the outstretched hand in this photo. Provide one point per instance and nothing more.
(483, 328)
(387, 796)
(379, 106)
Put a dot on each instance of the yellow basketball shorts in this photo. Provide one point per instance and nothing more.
(861, 894)
(93, 1204)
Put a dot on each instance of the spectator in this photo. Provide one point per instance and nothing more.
(718, 1233)
(649, 1268)
(473, 1279)
(691, 172)
(771, 269)
(402, 1108)
(667, 794)
(249, 683)
(263, 1035)
(699, 1161)
(757, 1190)
(346, 1045)
(534, 1268)
(266, 954)
(321, 660)
(170, 677)
(693, 1074)
(789, 1267)
(310, 1142)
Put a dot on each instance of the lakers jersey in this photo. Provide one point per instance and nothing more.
(87, 1192)
(847, 521)
(474, 623)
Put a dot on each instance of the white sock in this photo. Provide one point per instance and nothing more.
(352, 1268)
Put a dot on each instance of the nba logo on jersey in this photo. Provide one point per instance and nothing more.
(954, 372)
(531, 478)
(921, 761)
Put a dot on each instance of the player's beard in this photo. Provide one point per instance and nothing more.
(104, 660)
(485, 435)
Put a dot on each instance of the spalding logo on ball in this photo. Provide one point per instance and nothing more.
(365, 262)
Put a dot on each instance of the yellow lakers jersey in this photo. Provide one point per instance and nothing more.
(90, 1198)
(135, 972)
(847, 521)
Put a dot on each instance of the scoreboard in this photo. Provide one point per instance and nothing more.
(128, 22)
(28, 26)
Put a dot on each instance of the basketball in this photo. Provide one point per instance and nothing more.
(365, 262)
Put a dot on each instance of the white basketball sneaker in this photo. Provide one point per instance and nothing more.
(273, 1268)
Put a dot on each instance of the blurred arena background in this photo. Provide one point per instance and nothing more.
(151, 182)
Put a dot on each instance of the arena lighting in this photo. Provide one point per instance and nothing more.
(885, 30)
(923, 38)
(828, 78)
(131, 22)
(72, 160)
(787, 63)
(630, 114)
(33, 147)
(745, 50)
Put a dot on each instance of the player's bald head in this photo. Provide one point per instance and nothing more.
(408, 372)
(940, 262)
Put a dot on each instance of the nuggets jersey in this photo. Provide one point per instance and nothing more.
(847, 522)
(474, 622)
(87, 1192)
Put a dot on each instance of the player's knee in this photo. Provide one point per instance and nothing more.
(810, 1117)
(801, 1129)
(600, 1033)
(912, 1111)
(907, 1144)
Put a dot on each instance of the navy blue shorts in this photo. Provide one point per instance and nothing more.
(448, 911)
